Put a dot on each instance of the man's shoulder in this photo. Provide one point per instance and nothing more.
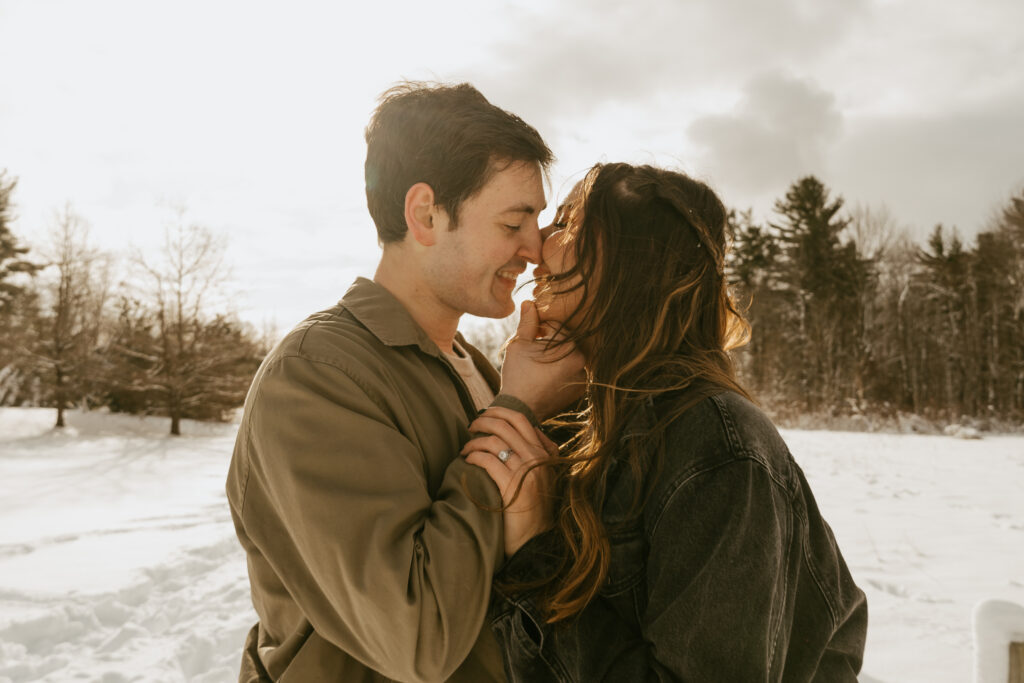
(329, 353)
(333, 336)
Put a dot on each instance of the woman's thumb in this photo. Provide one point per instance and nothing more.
(529, 321)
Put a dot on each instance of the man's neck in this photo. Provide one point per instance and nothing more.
(439, 321)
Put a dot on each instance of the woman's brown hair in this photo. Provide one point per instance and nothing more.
(655, 318)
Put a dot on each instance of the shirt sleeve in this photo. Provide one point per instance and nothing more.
(511, 402)
(396, 578)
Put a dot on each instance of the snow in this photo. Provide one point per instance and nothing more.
(118, 560)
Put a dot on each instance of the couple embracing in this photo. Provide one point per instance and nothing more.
(612, 506)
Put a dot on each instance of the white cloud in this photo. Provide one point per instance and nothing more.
(252, 113)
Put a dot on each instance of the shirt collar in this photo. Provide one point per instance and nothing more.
(385, 317)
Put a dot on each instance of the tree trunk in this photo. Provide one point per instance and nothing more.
(175, 425)
(59, 398)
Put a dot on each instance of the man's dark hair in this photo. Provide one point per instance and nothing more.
(447, 136)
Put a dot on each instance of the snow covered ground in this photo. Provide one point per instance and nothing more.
(118, 560)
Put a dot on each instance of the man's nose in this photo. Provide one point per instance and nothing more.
(532, 243)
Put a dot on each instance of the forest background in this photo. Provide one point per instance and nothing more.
(855, 325)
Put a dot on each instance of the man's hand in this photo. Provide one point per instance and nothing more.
(546, 379)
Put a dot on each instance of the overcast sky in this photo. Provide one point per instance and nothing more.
(251, 114)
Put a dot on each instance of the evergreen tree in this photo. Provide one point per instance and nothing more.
(129, 358)
(949, 352)
(19, 308)
(753, 265)
(12, 261)
(828, 278)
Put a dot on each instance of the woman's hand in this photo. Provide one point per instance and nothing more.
(547, 378)
(511, 452)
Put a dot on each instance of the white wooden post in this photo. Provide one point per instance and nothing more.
(998, 642)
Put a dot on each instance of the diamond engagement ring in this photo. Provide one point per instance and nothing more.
(505, 454)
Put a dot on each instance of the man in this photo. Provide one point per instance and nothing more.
(370, 543)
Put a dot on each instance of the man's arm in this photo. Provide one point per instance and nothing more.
(395, 578)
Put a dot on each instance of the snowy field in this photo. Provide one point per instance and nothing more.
(118, 561)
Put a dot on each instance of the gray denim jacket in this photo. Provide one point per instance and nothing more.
(729, 573)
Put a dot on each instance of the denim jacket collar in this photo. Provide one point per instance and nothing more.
(642, 422)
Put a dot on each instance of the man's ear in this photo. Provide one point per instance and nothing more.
(420, 213)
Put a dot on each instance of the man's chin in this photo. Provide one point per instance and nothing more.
(495, 310)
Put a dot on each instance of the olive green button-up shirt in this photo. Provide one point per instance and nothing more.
(370, 543)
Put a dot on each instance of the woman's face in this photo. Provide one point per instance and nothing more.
(558, 300)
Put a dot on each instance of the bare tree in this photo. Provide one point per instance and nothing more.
(195, 362)
(875, 230)
(72, 323)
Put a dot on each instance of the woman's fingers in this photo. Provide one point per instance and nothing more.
(517, 420)
(550, 446)
(496, 470)
(513, 417)
(488, 442)
(503, 432)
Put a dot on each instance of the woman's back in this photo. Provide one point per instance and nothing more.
(728, 573)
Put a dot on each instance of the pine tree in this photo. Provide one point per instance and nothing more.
(828, 278)
(19, 307)
(12, 261)
(753, 264)
(948, 352)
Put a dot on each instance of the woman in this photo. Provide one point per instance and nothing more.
(673, 537)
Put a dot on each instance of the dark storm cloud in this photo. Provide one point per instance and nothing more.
(781, 129)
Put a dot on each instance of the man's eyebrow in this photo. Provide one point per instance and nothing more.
(524, 208)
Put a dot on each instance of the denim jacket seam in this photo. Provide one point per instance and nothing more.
(789, 559)
(693, 473)
(832, 612)
(736, 445)
(731, 433)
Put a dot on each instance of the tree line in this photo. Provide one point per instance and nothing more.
(851, 317)
(157, 341)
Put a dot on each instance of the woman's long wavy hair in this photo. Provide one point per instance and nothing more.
(655, 319)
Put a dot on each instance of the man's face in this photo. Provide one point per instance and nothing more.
(474, 267)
